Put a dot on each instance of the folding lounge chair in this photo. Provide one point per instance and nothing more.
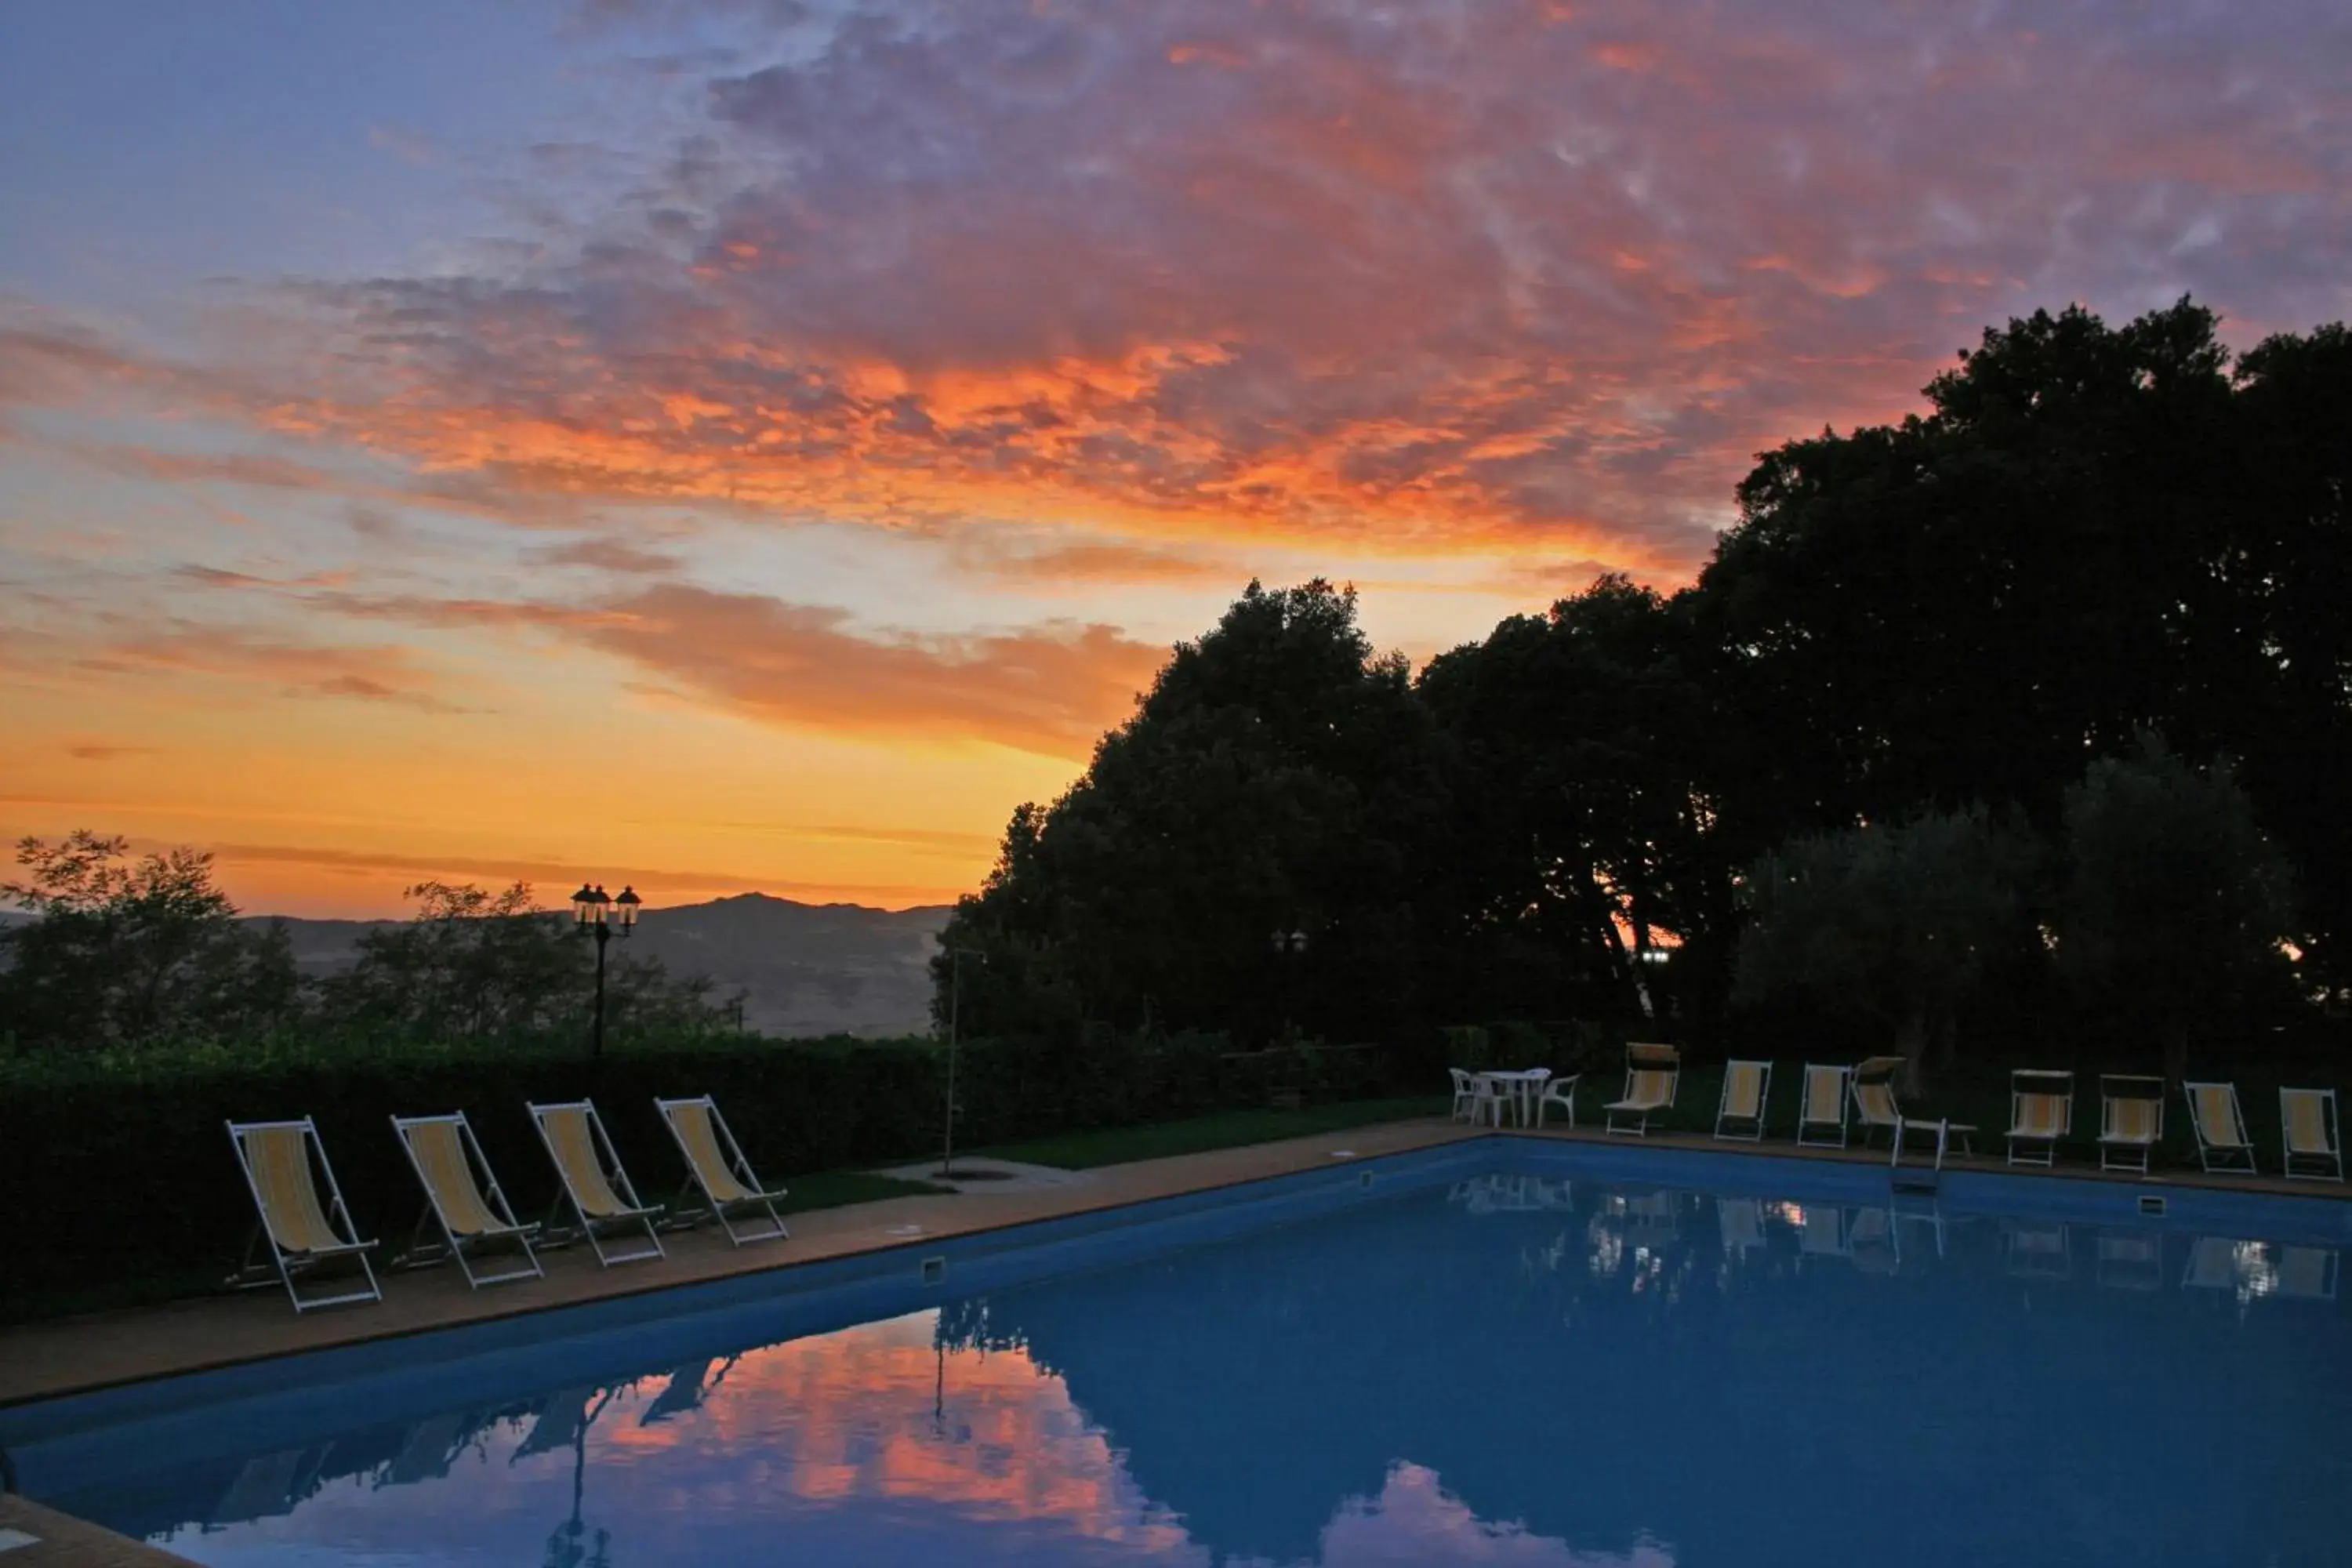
(598, 1190)
(1652, 1073)
(1747, 1085)
(2307, 1273)
(1875, 1106)
(1823, 1106)
(2038, 1249)
(2130, 1260)
(2131, 1120)
(276, 1157)
(715, 1164)
(462, 1196)
(2040, 1112)
(2220, 1126)
(2311, 1133)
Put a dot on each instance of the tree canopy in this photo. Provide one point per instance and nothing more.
(2090, 534)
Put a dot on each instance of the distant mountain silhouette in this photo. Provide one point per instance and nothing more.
(806, 969)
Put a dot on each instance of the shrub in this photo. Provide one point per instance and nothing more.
(101, 1148)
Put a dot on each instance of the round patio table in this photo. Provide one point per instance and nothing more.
(1523, 1087)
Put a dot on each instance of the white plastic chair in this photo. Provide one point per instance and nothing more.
(1465, 1095)
(1559, 1092)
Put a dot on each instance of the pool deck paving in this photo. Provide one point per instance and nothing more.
(32, 1536)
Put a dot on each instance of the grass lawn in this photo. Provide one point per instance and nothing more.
(1225, 1130)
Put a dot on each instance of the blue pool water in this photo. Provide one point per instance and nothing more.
(1495, 1355)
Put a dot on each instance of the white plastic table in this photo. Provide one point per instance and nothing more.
(1523, 1087)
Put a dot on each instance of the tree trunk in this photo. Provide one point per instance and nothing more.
(1948, 1042)
(1911, 1044)
(2174, 1033)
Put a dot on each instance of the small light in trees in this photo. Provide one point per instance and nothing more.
(1290, 942)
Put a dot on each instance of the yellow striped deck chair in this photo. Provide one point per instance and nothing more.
(1821, 1108)
(2040, 1112)
(279, 1159)
(1875, 1106)
(1747, 1085)
(601, 1198)
(1652, 1073)
(462, 1195)
(2311, 1135)
(2220, 1126)
(716, 1167)
(2131, 1120)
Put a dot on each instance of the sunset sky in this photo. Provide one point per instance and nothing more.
(730, 447)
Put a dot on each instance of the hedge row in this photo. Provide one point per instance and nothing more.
(105, 1172)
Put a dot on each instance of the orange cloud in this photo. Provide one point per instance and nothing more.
(374, 674)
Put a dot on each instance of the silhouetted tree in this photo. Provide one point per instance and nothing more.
(130, 949)
(1279, 775)
(1582, 829)
(2173, 906)
(1895, 922)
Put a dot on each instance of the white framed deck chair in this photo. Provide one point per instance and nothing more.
(2311, 1138)
(1652, 1074)
(1821, 1110)
(1875, 1241)
(1820, 1232)
(2225, 1263)
(1874, 1105)
(2130, 1260)
(591, 1181)
(2040, 1112)
(1741, 1221)
(280, 1159)
(2131, 1120)
(462, 1195)
(1739, 1112)
(1465, 1094)
(2038, 1249)
(2220, 1127)
(1652, 1219)
(1561, 1090)
(716, 1167)
(2307, 1273)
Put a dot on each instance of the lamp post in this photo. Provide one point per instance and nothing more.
(956, 955)
(1290, 946)
(597, 910)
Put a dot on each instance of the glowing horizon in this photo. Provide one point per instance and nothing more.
(732, 448)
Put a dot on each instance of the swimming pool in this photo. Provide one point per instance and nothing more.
(1496, 1353)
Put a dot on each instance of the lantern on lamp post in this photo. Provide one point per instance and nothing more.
(595, 910)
